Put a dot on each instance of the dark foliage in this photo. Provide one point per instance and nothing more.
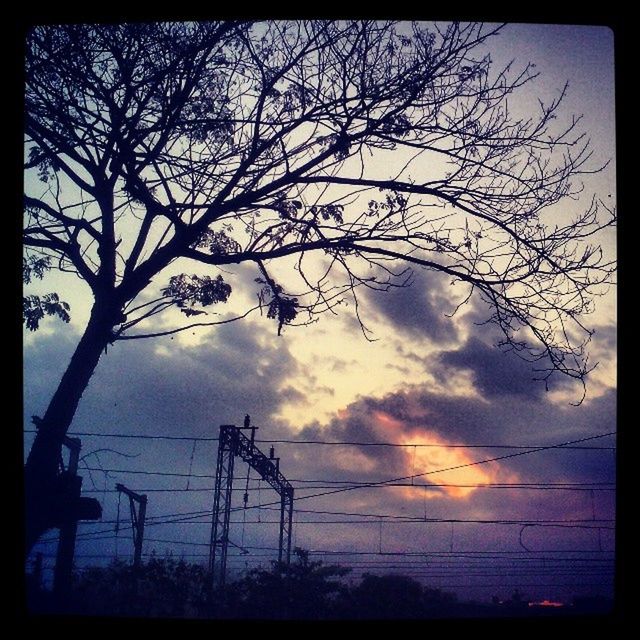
(34, 309)
(396, 596)
(163, 587)
(306, 590)
(187, 291)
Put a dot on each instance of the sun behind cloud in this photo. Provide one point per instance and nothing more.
(440, 463)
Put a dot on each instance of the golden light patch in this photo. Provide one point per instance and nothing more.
(441, 464)
(350, 459)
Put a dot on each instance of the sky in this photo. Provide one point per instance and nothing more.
(433, 384)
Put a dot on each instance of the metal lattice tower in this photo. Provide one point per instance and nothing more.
(227, 446)
(232, 443)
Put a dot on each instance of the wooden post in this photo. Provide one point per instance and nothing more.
(71, 488)
(67, 541)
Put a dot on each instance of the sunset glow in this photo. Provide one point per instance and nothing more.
(373, 300)
(431, 455)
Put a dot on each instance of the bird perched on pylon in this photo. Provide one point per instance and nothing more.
(247, 421)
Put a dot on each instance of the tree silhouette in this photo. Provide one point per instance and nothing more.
(343, 153)
(397, 596)
(305, 589)
(164, 586)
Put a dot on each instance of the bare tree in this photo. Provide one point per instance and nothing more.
(329, 147)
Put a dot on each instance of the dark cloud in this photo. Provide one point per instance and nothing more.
(291, 394)
(45, 360)
(495, 372)
(161, 385)
(607, 337)
(464, 420)
(156, 387)
(418, 310)
(499, 371)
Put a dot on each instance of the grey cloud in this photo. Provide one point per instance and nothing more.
(501, 372)
(607, 336)
(419, 309)
(340, 365)
(496, 373)
(291, 394)
(45, 360)
(192, 389)
(514, 420)
(401, 369)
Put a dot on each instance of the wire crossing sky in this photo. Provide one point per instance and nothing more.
(417, 443)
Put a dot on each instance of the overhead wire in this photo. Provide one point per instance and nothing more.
(354, 443)
(530, 486)
(189, 517)
(477, 462)
(451, 468)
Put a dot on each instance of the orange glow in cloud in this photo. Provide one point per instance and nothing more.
(420, 460)
(348, 460)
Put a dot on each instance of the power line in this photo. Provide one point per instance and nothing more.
(150, 521)
(443, 559)
(372, 519)
(426, 556)
(436, 573)
(330, 484)
(401, 478)
(439, 521)
(457, 563)
(450, 554)
(452, 468)
(188, 516)
(353, 443)
(427, 445)
(466, 555)
(506, 485)
(604, 576)
(479, 485)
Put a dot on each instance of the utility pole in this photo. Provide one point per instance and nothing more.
(71, 508)
(72, 486)
(137, 521)
(231, 443)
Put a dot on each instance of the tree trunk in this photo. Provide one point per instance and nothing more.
(43, 501)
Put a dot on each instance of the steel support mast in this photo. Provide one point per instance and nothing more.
(137, 520)
(233, 443)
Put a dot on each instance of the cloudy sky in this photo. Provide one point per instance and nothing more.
(436, 385)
